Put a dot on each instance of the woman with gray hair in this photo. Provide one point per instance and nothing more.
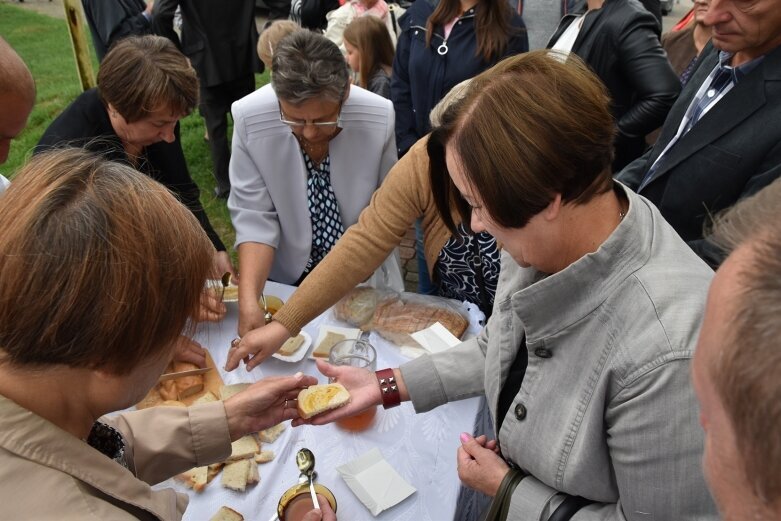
(309, 150)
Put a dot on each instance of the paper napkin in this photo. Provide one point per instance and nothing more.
(436, 338)
(375, 482)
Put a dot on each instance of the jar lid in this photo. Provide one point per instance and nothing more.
(303, 489)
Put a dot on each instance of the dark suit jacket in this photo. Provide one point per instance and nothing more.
(219, 36)
(620, 43)
(85, 123)
(112, 20)
(733, 151)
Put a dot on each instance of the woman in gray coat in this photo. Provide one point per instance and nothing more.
(585, 360)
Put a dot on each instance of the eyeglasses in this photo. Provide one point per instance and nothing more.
(298, 124)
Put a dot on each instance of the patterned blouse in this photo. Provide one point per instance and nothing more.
(456, 270)
(324, 211)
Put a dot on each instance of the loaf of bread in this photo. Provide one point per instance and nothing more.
(357, 307)
(318, 399)
(187, 385)
(396, 320)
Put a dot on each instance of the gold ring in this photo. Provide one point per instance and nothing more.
(235, 343)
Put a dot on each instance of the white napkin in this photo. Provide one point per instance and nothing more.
(375, 482)
(436, 338)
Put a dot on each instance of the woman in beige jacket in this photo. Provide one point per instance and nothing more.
(87, 325)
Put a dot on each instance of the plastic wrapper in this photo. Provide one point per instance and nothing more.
(394, 316)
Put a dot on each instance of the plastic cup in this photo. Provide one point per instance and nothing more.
(361, 354)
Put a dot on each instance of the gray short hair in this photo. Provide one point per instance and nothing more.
(746, 375)
(307, 65)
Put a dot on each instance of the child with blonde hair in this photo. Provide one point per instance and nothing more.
(271, 36)
(370, 54)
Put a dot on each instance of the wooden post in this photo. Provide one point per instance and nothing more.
(74, 15)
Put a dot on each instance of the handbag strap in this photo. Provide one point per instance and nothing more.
(500, 506)
(568, 508)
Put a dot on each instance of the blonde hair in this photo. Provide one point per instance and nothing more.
(100, 266)
(270, 37)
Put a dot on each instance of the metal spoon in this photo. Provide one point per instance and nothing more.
(305, 461)
(266, 313)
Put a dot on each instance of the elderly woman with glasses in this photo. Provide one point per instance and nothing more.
(308, 152)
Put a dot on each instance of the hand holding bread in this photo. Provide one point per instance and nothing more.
(364, 392)
(265, 403)
(258, 344)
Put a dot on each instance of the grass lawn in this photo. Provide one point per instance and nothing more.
(44, 44)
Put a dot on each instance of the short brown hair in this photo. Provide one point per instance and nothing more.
(747, 376)
(100, 266)
(370, 36)
(142, 74)
(533, 126)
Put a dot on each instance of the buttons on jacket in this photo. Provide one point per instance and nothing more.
(520, 411)
(543, 352)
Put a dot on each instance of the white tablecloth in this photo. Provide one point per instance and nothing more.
(421, 447)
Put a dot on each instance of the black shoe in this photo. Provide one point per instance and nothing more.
(221, 193)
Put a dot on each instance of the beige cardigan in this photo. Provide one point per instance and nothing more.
(46, 473)
(404, 196)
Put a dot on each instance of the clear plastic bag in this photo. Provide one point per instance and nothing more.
(394, 316)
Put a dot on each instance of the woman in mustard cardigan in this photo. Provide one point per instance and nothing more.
(404, 196)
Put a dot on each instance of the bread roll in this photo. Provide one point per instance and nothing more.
(320, 398)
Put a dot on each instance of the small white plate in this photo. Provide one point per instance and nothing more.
(299, 354)
(348, 332)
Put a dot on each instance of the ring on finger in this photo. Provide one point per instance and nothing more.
(235, 343)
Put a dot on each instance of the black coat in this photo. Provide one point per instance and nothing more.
(85, 123)
(112, 20)
(219, 36)
(620, 42)
(421, 76)
(732, 152)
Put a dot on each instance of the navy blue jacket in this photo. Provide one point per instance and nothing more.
(421, 76)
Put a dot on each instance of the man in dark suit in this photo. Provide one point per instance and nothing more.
(220, 38)
(113, 20)
(721, 141)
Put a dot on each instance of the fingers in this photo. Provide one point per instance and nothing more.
(313, 515)
(239, 351)
(471, 445)
(326, 369)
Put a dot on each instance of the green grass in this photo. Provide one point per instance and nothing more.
(44, 44)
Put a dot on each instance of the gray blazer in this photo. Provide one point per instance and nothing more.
(606, 410)
(268, 201)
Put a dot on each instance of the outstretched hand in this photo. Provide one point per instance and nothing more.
(363, 388)
(265, 403)
(257, 345)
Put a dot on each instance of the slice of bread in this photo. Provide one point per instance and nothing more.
(331, 339)
(244, 448)
(265, 456)
(226, 514)
(320, 398)
(234, 475)
(291, 345)
(254, 475)
(226, 391)
(271, 434)
(213, 470)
